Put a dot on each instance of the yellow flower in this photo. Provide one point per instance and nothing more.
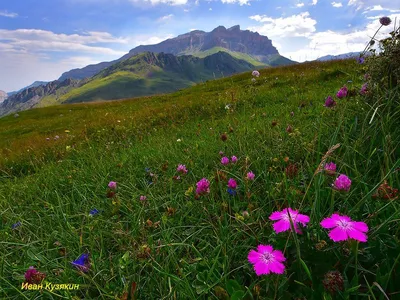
(189, 191)
(67, 131)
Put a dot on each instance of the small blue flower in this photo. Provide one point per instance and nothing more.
(147, 170)
(93, 212)
(231, 192)
(82, 263)
(360, 60)
(13, 226)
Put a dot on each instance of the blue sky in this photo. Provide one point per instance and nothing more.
(39, 40)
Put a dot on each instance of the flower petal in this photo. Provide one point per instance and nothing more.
(302, 219)
(328, 223)
(265, 248)
(277, 267)
(360, 226)
(279, 255)
(338, 234)
(282, 225)
(357, 235)
(276, 215)
(253, 256)
(261, 268)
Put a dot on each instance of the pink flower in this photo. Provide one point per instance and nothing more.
(344, 228)
(182, 169)
(342, 92)
(283, 223)
(221, 153)
(267, 260)
(255, 73)
(112, 185)
(224, 160)
(330, 168)
(364, 89)
(232, 183)
(342, 183)
(203, 186)
(329, 102)
(142, 198)
(234, 159)
(250, 176)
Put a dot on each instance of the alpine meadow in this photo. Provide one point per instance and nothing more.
(212, 174)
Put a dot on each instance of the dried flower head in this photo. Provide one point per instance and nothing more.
(385, 21)
(333, 282)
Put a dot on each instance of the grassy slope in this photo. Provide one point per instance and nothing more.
(197, 248)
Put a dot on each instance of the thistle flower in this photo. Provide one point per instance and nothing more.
(266, 260)
(283, 220)
(33, 276)
(255, 73)
(182, 169)
(232, 183)
(385, 21)
(224, 160)
(234, 159)
(82, 263)
(342, 92)
(343, 228)
(333, 282)
(203, 187)
(112, 185)
(342, 183)
(329, 102)
(250, 176)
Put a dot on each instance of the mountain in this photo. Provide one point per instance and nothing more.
(3, 96)
(243, 44)
(34, 96)
(340, 56)
(151, 73)
(35, 84)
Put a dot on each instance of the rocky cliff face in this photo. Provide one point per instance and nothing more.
(3, 96)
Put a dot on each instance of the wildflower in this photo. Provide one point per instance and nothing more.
(110, 194)
(344, 228)
(112, 185)
(47, 139)
(245, 214)
(250, 176)
(179, 140)
(253, 80)
(221, 153)
(321, 245)
(283, 220)
(220, 176)
(266, 260)
(232, 183)
(93, 212)
(385, 191)
(274, 123)
(56, 137)
(333, 282)
(342, 92)
(292, 113)
(82, 263)
(181, 169)
(189, 191)
(342, 183)
(364, 90)
(255, 73)
(203, 187)
(289, 129)
(16, 225)
(360, 60)
(367, 76)
(329, 102)
(224, 137)
(234, 159)
(227, 107)
(330, 168)
(385, 21)
(33, 276)
(142, 198)
(224, 160)
(67, 131)
(177, 178)
(291, 171)
(231, 192)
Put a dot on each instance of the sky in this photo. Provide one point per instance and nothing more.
(39, 40)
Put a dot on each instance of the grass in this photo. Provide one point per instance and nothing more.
(175, 245)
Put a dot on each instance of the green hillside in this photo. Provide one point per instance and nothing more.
(161, 232)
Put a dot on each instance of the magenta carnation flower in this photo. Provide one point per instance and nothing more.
(250, 176)
(182, 169)
(329, 102)
(266, 260)
(232, 183)
(344, 228)
(224, 160)
(283, 221)
(112, 185)
(342, 183)
(203, 186)
(385, 21)
(342, 92)
(234, 159)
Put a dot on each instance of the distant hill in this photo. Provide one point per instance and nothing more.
(340, 56)
(35, 84)
(3, 96)
(243, 44)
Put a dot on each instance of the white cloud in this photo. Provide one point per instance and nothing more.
(165, 18)
(301, 4)
(314, 2)
(155, 2)
(241, 2)
(301, 25)
(210, 9)
(391, 5)
(337, 4)
(4, 13)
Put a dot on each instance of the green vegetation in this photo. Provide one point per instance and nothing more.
(176, 245)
